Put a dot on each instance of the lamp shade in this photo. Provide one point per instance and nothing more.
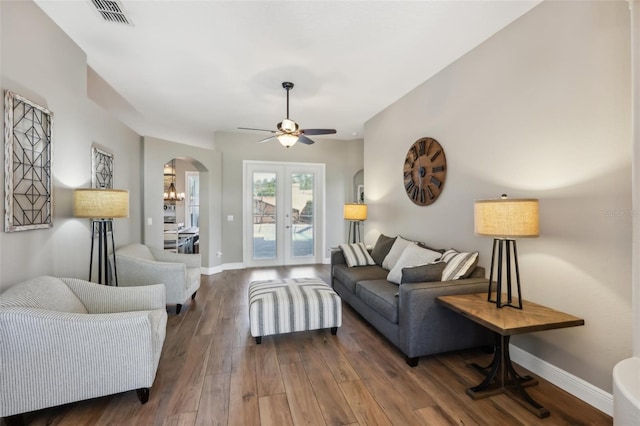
(101, 203)
(355, 211)
(507, 218)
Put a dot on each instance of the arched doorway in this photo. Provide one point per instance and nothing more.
(181, 198)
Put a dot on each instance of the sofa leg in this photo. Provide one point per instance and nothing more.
(15, 420)
(258, 340)
(143, 395)
(178, 308)
(412, 362)
(334, 330)
(193, 296)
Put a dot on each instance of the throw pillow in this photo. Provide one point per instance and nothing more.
(423, 273)
(394, 254)
(381, 249)
(459, 265)
(356, 255)
(411, 256)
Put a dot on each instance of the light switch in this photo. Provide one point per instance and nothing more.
(230, 218)
(149, 221)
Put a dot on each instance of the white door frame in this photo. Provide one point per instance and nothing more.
(319, 211)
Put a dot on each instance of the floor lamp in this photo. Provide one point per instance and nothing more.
(356, 213)
(505, 220)
(101, 206)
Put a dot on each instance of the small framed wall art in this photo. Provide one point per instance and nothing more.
(101, 168)
(27, 164)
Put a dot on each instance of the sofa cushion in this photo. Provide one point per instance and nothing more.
(396, 251)
(350, 276)
(45, 293)
(412, 256)
(459, 265)
(381, 249)
(423, 273)
(356, 255)
(380, 295)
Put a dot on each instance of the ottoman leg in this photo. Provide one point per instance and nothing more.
(258, 340)
(334, 330)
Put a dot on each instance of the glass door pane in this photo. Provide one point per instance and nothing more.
(264, 215)
(302, 218)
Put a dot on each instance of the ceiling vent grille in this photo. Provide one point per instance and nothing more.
(111, 11)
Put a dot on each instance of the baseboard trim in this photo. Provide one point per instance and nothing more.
(224, 267)
(577, 387)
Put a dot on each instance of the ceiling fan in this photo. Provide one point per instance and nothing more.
(289, 132)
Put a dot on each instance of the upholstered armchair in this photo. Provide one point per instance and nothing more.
(64, 340)
(138, 265)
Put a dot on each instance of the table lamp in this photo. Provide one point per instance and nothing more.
(505, 220)
(356, 213)
(101, 206)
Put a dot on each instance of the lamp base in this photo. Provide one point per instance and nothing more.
(354, 232)
(504, 249)
(102, 227)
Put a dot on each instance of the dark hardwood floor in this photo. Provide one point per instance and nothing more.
(212, 373)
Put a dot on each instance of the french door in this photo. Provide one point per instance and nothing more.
(283, 213)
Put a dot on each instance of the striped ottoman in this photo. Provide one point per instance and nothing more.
(292, 304)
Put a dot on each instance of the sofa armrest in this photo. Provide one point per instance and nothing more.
(133, 272)
(191, 260)
(426, 324)
(100, 299)
(337, 257)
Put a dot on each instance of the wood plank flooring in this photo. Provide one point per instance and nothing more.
(212, 373)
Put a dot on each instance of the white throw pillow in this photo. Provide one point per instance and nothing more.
(396, 251)
(413, 255)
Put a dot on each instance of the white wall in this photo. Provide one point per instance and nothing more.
(44, 65)
(541, 110)
(343, 159)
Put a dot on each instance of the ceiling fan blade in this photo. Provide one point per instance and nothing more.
(318, 131)
(260, 130)
(305, 140)
(267, 139)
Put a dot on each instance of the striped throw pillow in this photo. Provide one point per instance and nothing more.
(459, 265)
(356, 255)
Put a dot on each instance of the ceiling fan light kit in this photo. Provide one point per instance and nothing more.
(289, 131)
(287, 140)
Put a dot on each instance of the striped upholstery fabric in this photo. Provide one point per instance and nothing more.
(356, 255)
(288, 305)
(459, 265)
(49, 357)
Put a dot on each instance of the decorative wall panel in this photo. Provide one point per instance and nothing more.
(27, 169)
(101, 168)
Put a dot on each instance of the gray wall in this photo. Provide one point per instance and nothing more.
(342, 158)
(44, 65)
(542, 110)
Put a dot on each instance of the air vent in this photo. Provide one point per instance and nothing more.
(111, 11)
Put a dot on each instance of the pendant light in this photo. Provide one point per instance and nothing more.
(172, 194)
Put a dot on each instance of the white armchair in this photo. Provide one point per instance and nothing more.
(64, 340)
(138, 265)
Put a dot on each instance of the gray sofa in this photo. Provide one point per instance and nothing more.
(408, 314)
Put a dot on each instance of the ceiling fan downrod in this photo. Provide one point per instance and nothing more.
(287, 85)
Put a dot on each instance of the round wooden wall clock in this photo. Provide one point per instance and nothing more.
(425, 170)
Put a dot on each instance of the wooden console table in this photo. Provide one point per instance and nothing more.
(501, 377)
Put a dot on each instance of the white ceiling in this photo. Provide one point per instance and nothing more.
(190, 68)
